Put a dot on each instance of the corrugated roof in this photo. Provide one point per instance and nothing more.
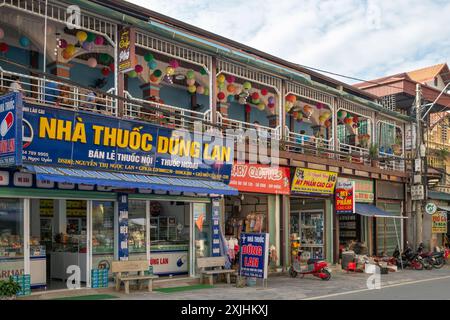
(427, 73)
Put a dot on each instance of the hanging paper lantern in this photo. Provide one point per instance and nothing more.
(349, 115)
(291, 98)
(355, 119)
(71, 49)
(81, 36)
(255, 95)
(190, 82)
(92, 62)
(242, 100)
(322, 119)
(105, 72)
(221, 86)
(230, 98)
(342, 114)
(66, 55)
(295, 114)
(192, 89)
(221, 78)
(99, 40)
(206, 93)
(90, 37)
(203, 72)
(88, 46)
(157, 73)
(2, 33)
(264, 92)
(248, 108)
(221, 96)
(256, 101)
(271, 106)
(348, 121)
(327, 123)
(231, 79)
(231, 88)
(288, 106)
(152, 64)
(170, 71)
(153, 78)
(299, 116)
(138, 68)
(307, 109)
(148, 57)
(4, 48)
(174, 63)
(261, 106)
(190, 74)
(200, 90)
(319, 106)
(24, 41)
(62, 43)
(132, 74)
(327, 115)
(104, 58)
(271, 100)
(247, 85)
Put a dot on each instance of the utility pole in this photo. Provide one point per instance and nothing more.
(418, 168)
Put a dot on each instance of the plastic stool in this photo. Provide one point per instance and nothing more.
(351, 266)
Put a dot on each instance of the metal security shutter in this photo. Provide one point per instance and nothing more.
(386, 235)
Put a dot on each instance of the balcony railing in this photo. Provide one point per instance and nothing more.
(163, 114)
(391, 162)
(236, 128)
(46, 91)
(306, 144)
(353, 154)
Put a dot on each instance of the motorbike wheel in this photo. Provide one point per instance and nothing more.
(438, 263)
(427, 264)
(292, 272)
(418, 265)
(328, 275)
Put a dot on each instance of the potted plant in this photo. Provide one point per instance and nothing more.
(373, 154)
(9, 289)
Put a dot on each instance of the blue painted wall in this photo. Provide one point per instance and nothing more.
(87, 76)
(236, 111)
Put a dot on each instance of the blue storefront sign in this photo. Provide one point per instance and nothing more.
(91, 141)
(10, 129)
(254, 255)
(215, 227)
(123, 226)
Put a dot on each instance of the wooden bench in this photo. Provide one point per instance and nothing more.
(218, 264)
(122, 269)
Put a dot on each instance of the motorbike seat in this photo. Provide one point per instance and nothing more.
(312, 261)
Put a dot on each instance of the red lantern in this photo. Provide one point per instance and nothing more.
(105, 72)
(4, 47)
(221, 96)
(139, 68)
(348, 120)
(264, 92)
(327, 123)
(248, 108)
(255, 96)
(153, 78)
(291, 98)
(355, 119)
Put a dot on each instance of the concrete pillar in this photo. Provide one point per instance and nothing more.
(151, 91)
(60, 69)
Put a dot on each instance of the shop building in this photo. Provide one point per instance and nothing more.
(177, 75)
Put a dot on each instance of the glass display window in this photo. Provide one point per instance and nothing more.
(137, 230)
(307, 234)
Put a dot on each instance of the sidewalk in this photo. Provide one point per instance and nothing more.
(280, 287)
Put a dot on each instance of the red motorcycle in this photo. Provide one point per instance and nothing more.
(316, 267)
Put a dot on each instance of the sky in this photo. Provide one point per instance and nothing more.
(365, 39)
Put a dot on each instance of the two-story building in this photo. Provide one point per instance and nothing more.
(103, 160)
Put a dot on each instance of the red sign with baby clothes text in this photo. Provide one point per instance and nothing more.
(260, 178)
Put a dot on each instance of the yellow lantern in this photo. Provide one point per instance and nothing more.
(221, 78)
(192, 89)
(81, 36)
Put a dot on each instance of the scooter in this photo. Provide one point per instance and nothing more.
(435, 259)
(316, 267)
(408, 258)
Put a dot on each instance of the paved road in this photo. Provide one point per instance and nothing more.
(429, 289)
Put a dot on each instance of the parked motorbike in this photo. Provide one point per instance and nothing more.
(316, 267)
(408, 259)
(435, 259)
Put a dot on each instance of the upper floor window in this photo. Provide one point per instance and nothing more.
(436, 81)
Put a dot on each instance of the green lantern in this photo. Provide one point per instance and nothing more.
(157, 73)
(149, 57)
(203, 72)
(90, 37)
(190, 74)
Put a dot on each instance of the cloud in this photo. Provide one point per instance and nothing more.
(360, 38)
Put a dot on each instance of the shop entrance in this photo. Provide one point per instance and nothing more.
(60, 231)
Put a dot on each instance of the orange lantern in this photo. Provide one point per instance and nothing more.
(231, 88)
(307, 109)
(291, 98)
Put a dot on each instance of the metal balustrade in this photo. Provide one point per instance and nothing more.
(56, 93)
(306, 144)
(174, 117)
(391, 162)
(353, 154)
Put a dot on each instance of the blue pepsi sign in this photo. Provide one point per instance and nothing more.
(254, 255)
(10, 129)
(85, 140)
